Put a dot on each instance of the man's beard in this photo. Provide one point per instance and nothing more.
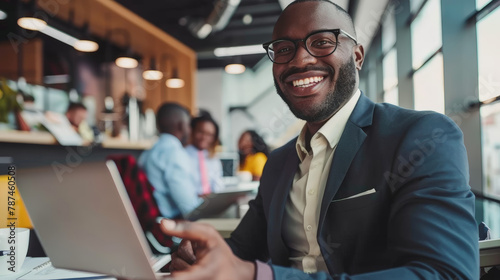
(344, 89)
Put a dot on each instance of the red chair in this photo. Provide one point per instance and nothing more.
(140, 192)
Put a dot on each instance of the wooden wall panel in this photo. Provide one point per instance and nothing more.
(145, 39)
(32, 51)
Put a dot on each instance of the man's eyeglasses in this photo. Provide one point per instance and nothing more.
(320, 43)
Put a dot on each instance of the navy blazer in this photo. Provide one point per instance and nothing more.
(418, 224)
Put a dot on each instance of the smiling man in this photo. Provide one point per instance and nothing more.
(366, 191)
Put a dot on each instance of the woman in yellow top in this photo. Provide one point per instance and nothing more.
(253, 153)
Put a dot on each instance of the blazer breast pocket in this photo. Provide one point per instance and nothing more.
(360, 200)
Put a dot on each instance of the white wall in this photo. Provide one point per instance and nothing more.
(266, 113)
(209, 91)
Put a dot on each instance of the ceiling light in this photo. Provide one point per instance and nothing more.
(126, 62)
(152, 75)
(86, 46)
(204, 31)
(32, 23)
(235, 68)
(241, 50)
(247, 19)
(3, 15)
(175, 83)
(36, 24)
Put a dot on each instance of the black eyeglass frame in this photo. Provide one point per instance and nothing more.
(335, 31)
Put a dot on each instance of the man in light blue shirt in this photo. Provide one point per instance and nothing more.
(167, 164)
(207, 169)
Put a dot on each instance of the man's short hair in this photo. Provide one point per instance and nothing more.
(74, 105)
(168, 116)
(339, 9)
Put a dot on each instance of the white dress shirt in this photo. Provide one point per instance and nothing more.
(300, 223)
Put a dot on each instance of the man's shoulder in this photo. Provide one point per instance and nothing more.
(168, 148)
(395, 117)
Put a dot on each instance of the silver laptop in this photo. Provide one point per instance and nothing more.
(85, 220)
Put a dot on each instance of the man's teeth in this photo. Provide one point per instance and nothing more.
(307, 81)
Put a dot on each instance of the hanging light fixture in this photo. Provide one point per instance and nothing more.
(126, 60)
(31, 22)
(235, 68)
(31, 18)
(174, 81)
(152, 74)
(86, 44)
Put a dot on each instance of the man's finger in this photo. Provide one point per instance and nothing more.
(192, 231)
(185, 251)
(178, 264)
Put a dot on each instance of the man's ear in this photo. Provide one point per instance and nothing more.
(359, 56)
(179, 127)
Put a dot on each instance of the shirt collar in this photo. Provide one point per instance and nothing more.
(332, 129)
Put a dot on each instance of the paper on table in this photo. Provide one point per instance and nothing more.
(45, 270)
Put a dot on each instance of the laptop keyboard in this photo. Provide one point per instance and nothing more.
(159, 261)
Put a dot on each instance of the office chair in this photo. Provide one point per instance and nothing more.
(140, 192)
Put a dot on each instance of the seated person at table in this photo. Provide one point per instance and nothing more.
(77, 114)
(253, 153)
(167, 164)
(207, 168)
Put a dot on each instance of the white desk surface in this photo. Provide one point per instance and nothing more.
(55, 273)
(489, 252)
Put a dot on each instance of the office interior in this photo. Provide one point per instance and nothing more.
(438, 55)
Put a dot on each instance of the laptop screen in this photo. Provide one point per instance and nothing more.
(230, 163)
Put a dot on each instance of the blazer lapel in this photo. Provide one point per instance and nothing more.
(277, 249)
(349, 144)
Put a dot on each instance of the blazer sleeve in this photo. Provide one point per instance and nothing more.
(249, 241)
(432, 232)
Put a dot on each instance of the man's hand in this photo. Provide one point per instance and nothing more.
(184, 257)
(204, 254)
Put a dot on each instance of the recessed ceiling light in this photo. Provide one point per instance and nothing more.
(3, 15)
(247, 19)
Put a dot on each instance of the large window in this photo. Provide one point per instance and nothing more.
(422, 62)
(489, 87)
(426, 42)
(389, 61)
